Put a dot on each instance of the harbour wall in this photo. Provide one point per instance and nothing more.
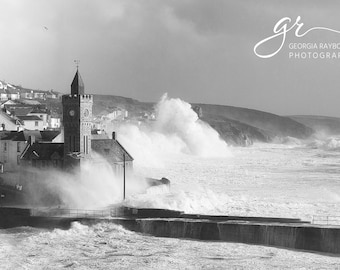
(292, 236)
(276, 232)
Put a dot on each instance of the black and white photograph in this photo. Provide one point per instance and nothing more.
(169, 134)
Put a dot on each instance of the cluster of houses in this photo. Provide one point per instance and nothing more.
(26, 114)
(11, 92)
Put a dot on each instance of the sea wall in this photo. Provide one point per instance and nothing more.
(285, 233)
(292, 236)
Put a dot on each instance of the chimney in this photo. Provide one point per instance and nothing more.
(31, 139)
(113, 135)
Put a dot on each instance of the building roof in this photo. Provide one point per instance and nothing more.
(46, 135)
(12, 91)
(9, 106)
(111, 150)
(39, 110)
(77, 86)
(14, 119)
(8, 102)
(99, 136)
(29, 101)
(44, 151)
(39, 92)
(30, 118)
(20, 111)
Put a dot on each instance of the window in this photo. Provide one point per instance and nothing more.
(87, 144)
(36, 123)
(5, 147)
(18, 147)
(84, 141)
(18, 159)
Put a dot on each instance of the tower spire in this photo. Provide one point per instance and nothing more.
(77, 86)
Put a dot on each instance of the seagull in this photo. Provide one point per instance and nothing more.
(45, 28)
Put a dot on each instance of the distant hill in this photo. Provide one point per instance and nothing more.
(329, 125)
(268, 124)
(109, 102)
(235, 132)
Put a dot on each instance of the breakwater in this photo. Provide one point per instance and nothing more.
(276, 232)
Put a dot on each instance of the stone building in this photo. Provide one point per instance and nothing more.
(79, 143)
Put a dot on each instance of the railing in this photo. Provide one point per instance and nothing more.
(76, 213)
(326, 220)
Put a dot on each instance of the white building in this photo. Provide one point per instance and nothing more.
(54, 122)
(32, 122)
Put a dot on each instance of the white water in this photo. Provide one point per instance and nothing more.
(270, 180)
(266, 180)
(108, 246)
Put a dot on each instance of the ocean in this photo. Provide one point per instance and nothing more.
(279, 180)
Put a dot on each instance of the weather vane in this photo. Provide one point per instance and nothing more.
(77, 63)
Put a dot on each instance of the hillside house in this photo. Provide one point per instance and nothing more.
(8, 92)
(39, 94)
(54, 121)
(43, 114)
(13, 94)
(3, 94)
(52, 94)
(115, 113)
(26, 94)
(3, 85)
(32, 122)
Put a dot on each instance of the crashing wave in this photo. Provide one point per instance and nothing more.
(330, 144)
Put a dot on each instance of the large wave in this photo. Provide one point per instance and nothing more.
(176, 130)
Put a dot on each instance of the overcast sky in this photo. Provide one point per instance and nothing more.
(198, 50)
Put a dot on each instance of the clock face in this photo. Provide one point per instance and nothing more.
(86, 112)
(71, 112)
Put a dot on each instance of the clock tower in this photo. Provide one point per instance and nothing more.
(77, 119)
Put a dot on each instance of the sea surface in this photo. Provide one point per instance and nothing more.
(296, 179)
